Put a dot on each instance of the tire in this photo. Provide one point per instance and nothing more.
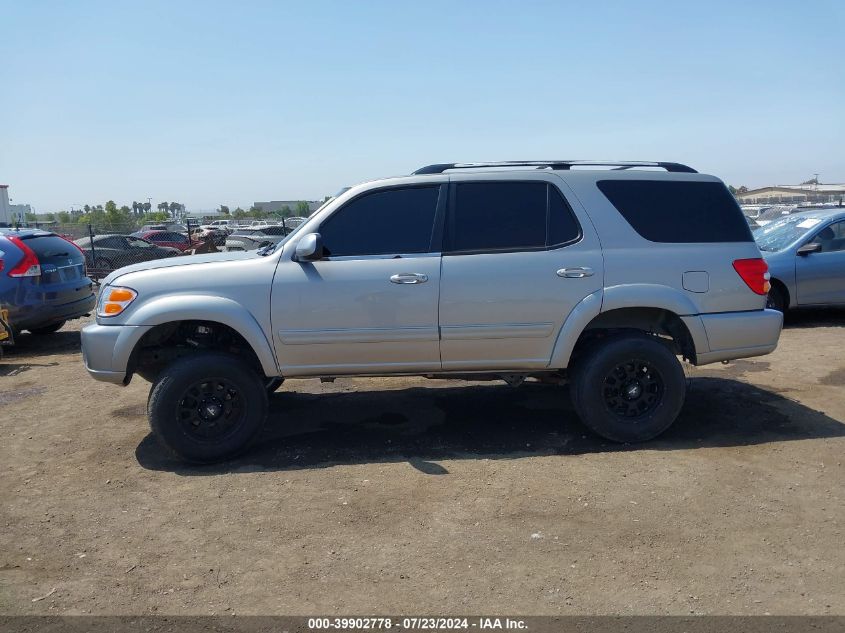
(207, 407)
(628, 388)
(272, 384)
(48, 329)
(776, 300)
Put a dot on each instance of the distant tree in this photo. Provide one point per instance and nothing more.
(224, 210)
(176, 207)
(63, 217)
(50, 217)
(811, 181)
(732, 189)
(257, 212)
(164, 207)
(302, 208)
(238, 213)
(286, 211)
(742, 189)
(86, 209)
(30, 217)
(147, 207)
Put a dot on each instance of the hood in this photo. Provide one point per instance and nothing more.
(181, 260)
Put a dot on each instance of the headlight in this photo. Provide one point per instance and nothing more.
(114, 300)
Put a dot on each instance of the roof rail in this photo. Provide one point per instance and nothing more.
(439, 168)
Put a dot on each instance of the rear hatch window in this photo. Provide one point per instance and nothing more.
(60, 260)
(678, 211)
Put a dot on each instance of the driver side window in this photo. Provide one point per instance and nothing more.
(383, 222)
(831, 238)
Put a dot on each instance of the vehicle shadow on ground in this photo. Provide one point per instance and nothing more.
(424, 425)
(814, 317)
(28, 346)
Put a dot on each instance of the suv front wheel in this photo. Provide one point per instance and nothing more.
(207, 407)
(628, 388)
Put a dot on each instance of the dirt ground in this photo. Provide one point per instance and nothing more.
(409, 496)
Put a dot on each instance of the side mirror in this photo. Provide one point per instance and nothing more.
(309, 248)
(812, 247)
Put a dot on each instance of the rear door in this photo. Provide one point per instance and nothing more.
(820, 276)
(516, 261)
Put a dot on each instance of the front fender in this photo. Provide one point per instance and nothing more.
(183, 307)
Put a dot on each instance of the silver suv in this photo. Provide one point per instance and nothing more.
(597, 274)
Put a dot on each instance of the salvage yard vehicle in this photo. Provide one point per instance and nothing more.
(565, 271)
(249, 239)
(805, 252)
(43, 281)
(171, 239)
(111, 251)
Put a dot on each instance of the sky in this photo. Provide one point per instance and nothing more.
(209, 103)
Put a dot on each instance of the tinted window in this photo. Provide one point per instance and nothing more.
(509, 216)
(383, 222)
(274, 230)
(53, 249)
(676, 211)
(111, 241)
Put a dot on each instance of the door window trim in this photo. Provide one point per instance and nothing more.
(451, 214)
(435, 240)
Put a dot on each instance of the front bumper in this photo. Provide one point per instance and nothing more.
(106, 350)
(732, 335)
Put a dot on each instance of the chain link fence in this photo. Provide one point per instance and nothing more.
(108, 247)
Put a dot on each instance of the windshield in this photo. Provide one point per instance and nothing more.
(781, 233)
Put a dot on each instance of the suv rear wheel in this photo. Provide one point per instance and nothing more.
(628, 388)
(207, 407)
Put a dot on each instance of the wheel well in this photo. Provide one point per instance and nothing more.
(169, 341)
(663, 324)
(777, 283)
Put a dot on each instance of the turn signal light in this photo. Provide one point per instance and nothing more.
(755, 274)
(115, 300)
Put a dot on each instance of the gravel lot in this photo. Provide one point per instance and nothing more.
(418, 496)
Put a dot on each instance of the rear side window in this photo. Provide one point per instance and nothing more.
(677, 211)
(509, 215)
(383, 222)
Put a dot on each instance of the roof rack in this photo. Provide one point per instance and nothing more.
(439, 168)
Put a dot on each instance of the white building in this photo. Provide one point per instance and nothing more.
(8, 213)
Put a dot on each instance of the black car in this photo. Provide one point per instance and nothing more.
(43, 281)
(112, 251)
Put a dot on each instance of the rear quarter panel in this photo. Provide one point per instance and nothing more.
(632, 261)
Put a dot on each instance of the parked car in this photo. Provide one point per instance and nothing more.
(806, 256)
(112, 251)
(216, 235)
(43, 283)
(601, 278)
(252, 238)
(171, 239)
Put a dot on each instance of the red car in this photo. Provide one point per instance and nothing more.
(166, 238)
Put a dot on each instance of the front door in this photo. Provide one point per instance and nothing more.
(516, 261)
(820, 276)
(370, 305)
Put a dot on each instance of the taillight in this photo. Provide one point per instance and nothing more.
(29, 266)
(755, 274)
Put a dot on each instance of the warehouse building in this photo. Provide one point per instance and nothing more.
(794, 194)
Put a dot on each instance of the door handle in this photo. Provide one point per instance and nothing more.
(575, 273)
(409, 278)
